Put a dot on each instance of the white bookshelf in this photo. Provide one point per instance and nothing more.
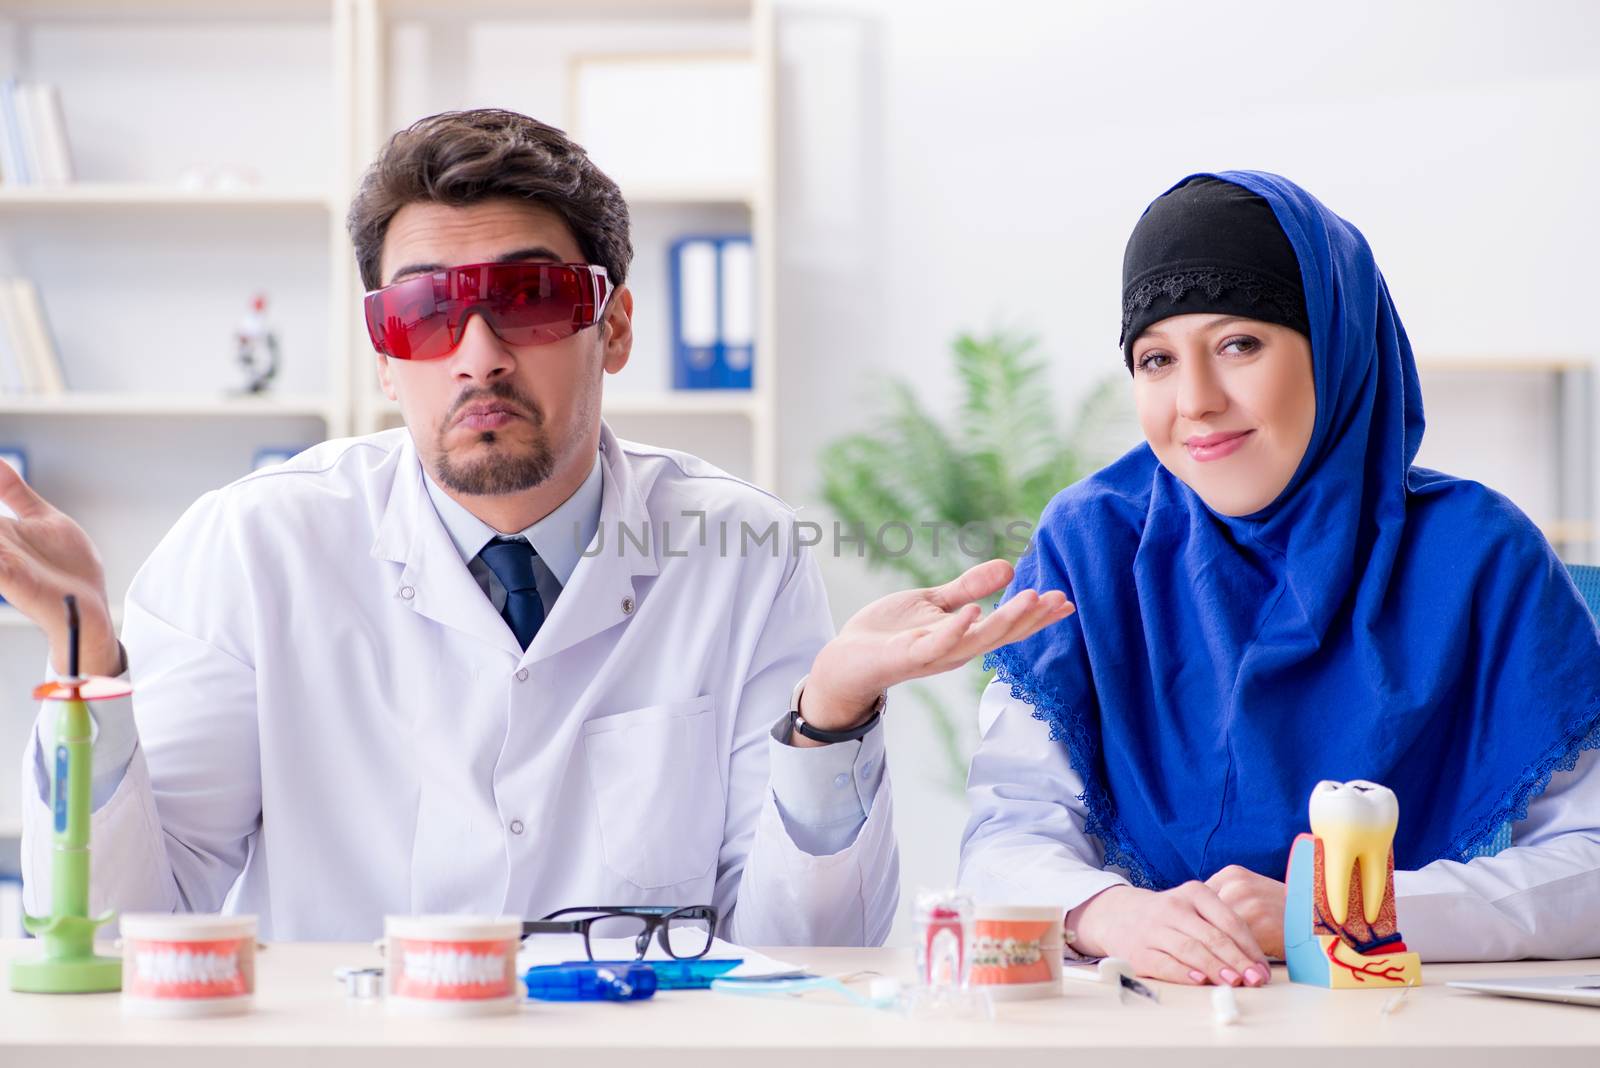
(134, 195)
(692, 194)
(399, 46)
(175, 405)
(1502, 408)
(143, 276)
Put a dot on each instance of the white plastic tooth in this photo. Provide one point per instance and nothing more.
(1356, 821)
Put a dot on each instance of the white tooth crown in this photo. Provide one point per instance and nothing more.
(1356, 821)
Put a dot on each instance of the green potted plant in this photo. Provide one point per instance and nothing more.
(968, 487)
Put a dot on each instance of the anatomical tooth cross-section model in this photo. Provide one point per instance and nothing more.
(1339, 924)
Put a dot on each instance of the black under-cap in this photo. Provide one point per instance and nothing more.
(1209, 246)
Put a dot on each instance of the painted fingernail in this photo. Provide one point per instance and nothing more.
(1197, 977)
(1253, 976)
(1230, 976)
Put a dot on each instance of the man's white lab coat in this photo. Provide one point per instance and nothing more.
(335, 724)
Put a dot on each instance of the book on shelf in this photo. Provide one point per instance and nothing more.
(28, 359)
(713, 312)
(52, 124)
(17, 460)
(13, 160)
(33, 135)
(11, 346)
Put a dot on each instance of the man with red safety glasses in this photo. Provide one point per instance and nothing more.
(497, 660)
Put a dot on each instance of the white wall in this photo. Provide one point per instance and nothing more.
(983, 164)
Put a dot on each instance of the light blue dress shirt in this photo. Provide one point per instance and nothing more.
(558, 539)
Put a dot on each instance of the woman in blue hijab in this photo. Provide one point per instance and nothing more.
(1270, 594)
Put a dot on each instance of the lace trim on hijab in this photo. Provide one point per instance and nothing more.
(1067, 725)
(1175, 285)
(1513, 805)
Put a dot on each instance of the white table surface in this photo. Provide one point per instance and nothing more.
(302, 1018)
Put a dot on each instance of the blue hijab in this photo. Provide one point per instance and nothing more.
(1377, 621)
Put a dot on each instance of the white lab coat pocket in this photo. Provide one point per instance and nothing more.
(657, 784)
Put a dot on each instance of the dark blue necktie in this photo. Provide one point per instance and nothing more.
(511, 560)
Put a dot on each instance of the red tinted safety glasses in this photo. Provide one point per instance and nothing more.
(424, 318)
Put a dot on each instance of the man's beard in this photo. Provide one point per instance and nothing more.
(501, 472)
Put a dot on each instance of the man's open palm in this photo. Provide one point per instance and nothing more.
(44, 556)
(915, 633)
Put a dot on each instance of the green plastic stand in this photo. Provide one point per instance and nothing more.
(69, 964)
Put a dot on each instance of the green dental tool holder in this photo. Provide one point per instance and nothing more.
(68, 964)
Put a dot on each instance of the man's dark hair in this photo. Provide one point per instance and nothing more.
(465, 157)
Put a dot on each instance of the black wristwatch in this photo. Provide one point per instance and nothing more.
(798, 725)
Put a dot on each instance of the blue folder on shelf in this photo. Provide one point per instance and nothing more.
(713, 311)
(272, 455)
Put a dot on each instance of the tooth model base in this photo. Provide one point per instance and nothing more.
(1353, 956)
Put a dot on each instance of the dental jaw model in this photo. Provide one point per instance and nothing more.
(1339, 924)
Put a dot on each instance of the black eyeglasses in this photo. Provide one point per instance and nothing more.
(684, 933)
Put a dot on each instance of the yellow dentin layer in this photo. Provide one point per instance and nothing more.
(1356, 822)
